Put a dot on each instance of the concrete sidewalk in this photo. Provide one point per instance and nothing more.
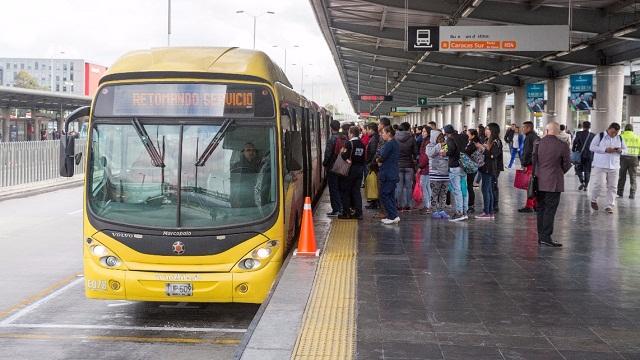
(274, 330)
(18, 191)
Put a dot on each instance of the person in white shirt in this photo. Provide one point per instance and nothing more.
(607, 147)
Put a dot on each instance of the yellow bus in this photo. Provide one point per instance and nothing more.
(198, 162)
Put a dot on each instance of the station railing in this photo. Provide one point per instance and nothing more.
(26, 162)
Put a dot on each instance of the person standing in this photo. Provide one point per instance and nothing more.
(527, 160)
(423, 170)
(371, 149)
(389, 174)
(492, 149)
(508, 136)
(406, 162)
(629, 161)
(332, 150)
(455, 147)
(551, 161)
(582, 143)
(438, 174)
(516, 145)
(607, 147)
(353, 152)
(470, 150)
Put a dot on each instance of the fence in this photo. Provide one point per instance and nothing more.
(30, 161)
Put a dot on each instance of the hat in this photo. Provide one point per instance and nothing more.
(448, 129)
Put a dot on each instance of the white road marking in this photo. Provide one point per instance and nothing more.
(37, 304)
(122, 303)
(75, 212)
(120, 327)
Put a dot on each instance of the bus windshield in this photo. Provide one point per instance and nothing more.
(179, 172)
(236, 185)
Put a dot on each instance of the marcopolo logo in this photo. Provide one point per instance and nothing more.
(176, 233)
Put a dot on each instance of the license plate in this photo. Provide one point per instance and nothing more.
(179, 290)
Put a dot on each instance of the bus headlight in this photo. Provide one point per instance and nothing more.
(99, 250)
(110, 261)
(259, 256)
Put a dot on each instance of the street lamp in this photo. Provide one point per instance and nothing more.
(285, 54)
(254, 21)
(301, 76)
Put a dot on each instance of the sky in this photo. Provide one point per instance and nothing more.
(101, 31)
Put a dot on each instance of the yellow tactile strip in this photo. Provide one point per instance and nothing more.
(329, 322)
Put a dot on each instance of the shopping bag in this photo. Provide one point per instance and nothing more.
(417, 191)
(371, 186)
(522, 179)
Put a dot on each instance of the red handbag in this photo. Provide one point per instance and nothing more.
(523, 177)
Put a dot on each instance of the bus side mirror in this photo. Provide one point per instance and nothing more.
(68, 142)
(67, 149)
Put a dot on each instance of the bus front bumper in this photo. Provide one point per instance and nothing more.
(244, 287)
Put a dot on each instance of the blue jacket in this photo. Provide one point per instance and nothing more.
(389, 155)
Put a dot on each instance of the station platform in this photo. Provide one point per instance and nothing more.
(434, 289)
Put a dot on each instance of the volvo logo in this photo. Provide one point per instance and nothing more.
(178, 247)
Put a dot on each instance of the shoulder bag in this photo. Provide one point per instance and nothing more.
(342, 166)
(532, 190)
(576, 156)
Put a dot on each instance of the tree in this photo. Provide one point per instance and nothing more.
(26, 81)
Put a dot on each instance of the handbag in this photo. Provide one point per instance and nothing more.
(417, 191)
(523, 177)
(468, 165)
(576, 156)
(371, 186)
(342, 166)
(532, 189)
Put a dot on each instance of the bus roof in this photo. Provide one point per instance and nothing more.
(204, 60)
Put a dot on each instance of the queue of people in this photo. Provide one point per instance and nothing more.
(435, 171)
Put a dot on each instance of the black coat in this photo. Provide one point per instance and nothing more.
(527, 152)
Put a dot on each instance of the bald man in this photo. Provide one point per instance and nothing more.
(551, 161)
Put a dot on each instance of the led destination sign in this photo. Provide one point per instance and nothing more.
(191, 100)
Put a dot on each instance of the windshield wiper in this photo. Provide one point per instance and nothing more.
(213, 144)
(156, 159)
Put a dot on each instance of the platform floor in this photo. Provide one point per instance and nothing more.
(432, 289)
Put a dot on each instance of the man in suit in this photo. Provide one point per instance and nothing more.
(551, 160)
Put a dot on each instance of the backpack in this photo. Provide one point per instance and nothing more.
(469, 165)
(478, 158)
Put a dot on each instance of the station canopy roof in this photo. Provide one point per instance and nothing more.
(369, 35)
(40, 100)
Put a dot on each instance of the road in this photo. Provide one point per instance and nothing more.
(44, 314)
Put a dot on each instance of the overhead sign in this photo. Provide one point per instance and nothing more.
(406, 109)
(635, 78)
(443, 101)
(365, 114)
(488, 38)
(535, 98)
(581, 98)
(374, 97)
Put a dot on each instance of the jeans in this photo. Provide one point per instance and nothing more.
(628, 164)
(388, 198)
(496, 193)
(350, 189)
(607, 178)
(472, 193)
(426, 191)
(583, 171)
(404, 190)
(334, 192)
(547, 204)
(460, 195)
(487, 192)
(514, 153)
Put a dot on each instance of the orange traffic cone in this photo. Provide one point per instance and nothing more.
(307, 241)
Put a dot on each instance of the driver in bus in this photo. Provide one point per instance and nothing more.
(243, 177)
(249, 162)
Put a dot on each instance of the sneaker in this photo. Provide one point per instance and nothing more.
(484, 216)
(609, 210)
(620, 195)
(585, 188)
(390, 221)
(458, 217)
(632, 196)
(471, 211)
(594, 205)
(344, 216)
(444, 215)
(525, 210)
(581, 187)
(436, 215)
(333, 214)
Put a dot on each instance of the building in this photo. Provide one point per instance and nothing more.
(70, 76)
